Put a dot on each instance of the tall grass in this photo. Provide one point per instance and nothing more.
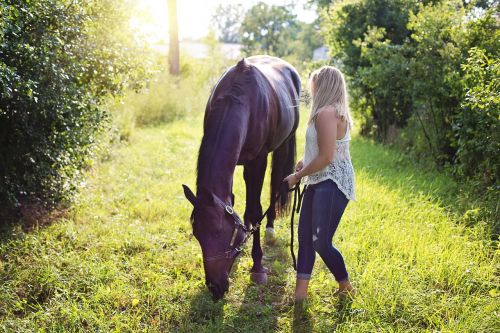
(167, 98)
(124, 258)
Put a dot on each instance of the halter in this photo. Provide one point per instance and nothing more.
(233, 251)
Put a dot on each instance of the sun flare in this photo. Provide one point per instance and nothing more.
(151, 19)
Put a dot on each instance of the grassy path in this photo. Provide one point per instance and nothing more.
(124, 260)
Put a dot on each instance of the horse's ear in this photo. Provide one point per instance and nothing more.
(189, 194)
(242, 65)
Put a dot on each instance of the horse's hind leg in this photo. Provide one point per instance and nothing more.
(254, 173)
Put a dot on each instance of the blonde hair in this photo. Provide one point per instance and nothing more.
(329, 89)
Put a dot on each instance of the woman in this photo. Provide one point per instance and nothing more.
(329, 176)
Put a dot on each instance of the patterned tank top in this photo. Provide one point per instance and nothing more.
(340, 170)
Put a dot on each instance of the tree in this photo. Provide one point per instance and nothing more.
(268, 29)
(320, 3)
(173, 46)
(227, 21)
(407, 61)
(305, 41)
(367, 38)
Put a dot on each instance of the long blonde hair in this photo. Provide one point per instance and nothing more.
(329, 89)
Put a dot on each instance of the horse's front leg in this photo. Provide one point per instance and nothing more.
(254, 173)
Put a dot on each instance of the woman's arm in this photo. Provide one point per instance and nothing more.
(326, 127)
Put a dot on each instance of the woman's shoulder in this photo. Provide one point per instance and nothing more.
(327, 109)
(327, 112)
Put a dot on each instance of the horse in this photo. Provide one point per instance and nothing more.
(253, 110)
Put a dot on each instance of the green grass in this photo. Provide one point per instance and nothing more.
(123, 258)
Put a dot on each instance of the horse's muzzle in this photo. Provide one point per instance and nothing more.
(217, 290)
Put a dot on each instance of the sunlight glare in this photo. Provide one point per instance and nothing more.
(151, 21)
(194, 17)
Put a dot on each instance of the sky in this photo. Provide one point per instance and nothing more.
(194, 16)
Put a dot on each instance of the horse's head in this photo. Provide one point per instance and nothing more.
(216, 228)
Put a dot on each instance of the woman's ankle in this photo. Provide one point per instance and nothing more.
(300, 295)
(301, 287)
(345, 285)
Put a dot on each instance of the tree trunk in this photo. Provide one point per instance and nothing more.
(173, 46)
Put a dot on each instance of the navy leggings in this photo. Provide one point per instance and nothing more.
(322, 208)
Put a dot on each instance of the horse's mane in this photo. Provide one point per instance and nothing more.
(241, 76)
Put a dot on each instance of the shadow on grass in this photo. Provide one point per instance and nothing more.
(32, 215)
(263, 305)
(396, 171)
(344, 309)
(203, 315)
(303, 315)
(302, 320)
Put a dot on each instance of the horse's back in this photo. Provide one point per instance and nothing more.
(286, 85)
(268, 88)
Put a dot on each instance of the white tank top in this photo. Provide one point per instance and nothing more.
(340, 170)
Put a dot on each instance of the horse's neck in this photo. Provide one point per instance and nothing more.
(223, 139)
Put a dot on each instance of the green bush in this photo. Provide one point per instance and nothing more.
(404, 61)
(477, 126)
(59, 60)
(368, 40)
(424, 76)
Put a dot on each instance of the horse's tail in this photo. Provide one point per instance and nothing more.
(283, 164)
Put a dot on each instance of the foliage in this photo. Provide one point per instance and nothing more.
(437, 32)
(274, 30)
(407, 65)
(57, 64)
(227, 21)
(442, 38)
(477, 127)
(384, 82)
(305, 41)
(124, 259)
(267, 29)
(368, 40)
(173, 39)
(320, 3)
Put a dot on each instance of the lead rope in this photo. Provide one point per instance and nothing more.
(297, 200)
(297, 194)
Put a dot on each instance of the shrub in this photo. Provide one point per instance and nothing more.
(57, 64)
(477, 126)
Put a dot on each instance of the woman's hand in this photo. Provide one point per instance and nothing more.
(299, 166)
(292, 180)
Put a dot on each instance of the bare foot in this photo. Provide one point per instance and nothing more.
(342, 293)
(301, 288)
(345, 289)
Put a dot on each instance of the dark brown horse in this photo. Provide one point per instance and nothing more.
(252, 111)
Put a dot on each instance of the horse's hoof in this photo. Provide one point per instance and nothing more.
(270, 236)
(258, 278)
